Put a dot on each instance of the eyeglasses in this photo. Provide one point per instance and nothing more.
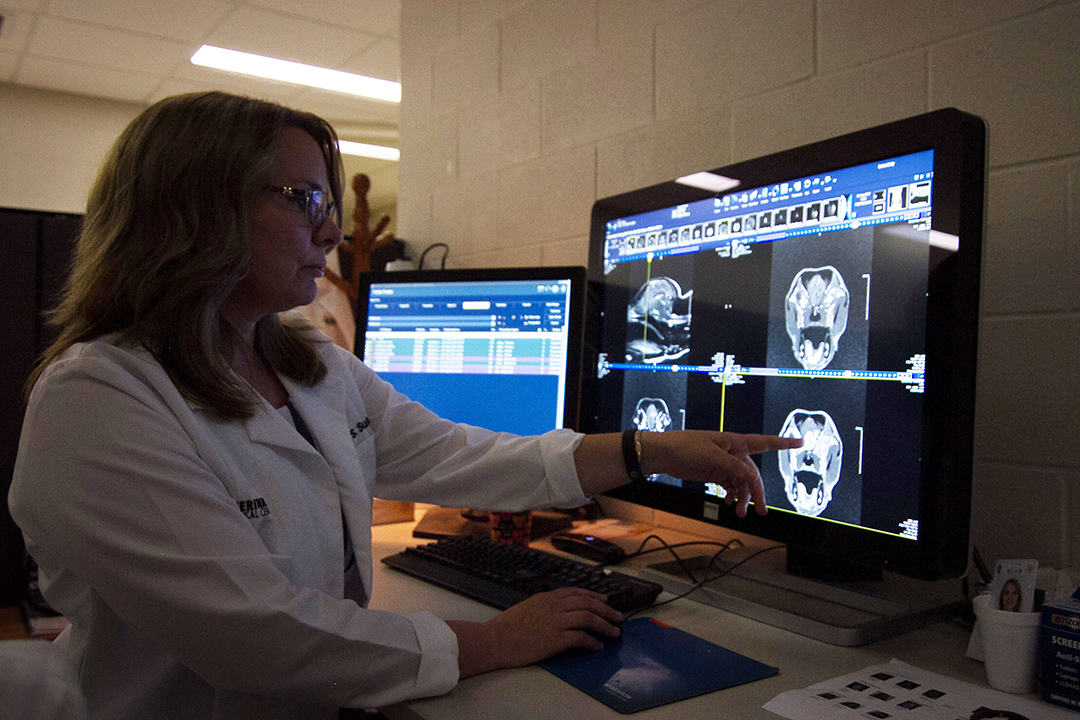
(316, 204)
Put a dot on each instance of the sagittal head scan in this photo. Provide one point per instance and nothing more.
(659, 322)
(811, 472)
(652, 414)
(816, 311)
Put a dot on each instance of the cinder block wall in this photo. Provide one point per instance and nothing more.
(516, 116)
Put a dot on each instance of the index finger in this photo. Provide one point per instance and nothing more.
(764, 443)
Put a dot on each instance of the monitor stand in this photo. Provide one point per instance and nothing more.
(848, 613)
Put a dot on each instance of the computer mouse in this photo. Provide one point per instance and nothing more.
(589, 547)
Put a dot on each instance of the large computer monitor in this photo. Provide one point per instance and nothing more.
(828, 292)
(496, 348)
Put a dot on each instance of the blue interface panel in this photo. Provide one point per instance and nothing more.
(894, 190)
(487, 353)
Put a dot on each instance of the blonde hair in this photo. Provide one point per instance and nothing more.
(165, 239)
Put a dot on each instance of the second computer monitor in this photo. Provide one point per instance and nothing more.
(496, 348)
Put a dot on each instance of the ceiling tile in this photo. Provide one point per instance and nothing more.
(198, 79)
(85, 80)
(348, 108)
(139, 50)
(266, 32)
(381, 60)
(15, 33)
(382, 17)
(79, 42)
(189, 20)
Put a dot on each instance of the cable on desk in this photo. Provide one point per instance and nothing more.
(729, 545)
(701, 583)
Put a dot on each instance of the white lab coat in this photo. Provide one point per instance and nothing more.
(201, 561)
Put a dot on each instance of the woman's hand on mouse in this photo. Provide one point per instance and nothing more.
(539, 627)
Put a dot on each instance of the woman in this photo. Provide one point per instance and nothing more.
(195, 472)
(1011, 597)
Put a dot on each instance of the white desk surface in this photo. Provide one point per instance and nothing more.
(534, 693)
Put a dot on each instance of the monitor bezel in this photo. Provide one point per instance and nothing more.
(959, 143)
(576, 275)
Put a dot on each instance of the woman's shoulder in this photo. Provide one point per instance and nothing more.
(340, 360)
(110, 359)
(349, 370)
(112, 348)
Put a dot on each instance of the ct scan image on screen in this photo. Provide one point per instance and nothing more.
(813, 327)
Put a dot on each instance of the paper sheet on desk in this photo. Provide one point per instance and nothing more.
(654, 664)
(898, 690)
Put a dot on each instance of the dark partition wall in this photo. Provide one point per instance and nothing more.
(36, 252)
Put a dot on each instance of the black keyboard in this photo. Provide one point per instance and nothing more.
(504, 575)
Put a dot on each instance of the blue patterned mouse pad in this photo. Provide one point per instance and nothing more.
(653, 664)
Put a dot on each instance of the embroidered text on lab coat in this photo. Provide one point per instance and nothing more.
(359, 427)
(253, 509)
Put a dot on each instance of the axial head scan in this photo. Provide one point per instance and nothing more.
(811, 472)
(659, 320)
(816, 311)
(652, 415)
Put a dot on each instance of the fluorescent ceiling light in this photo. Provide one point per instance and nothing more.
(380, 152)
(293, 72)
(708, 181)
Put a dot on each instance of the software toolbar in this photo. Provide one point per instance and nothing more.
(894, 190)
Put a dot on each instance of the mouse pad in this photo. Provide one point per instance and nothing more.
(653, 664)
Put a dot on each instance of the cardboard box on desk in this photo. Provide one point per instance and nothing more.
(1061, 652)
